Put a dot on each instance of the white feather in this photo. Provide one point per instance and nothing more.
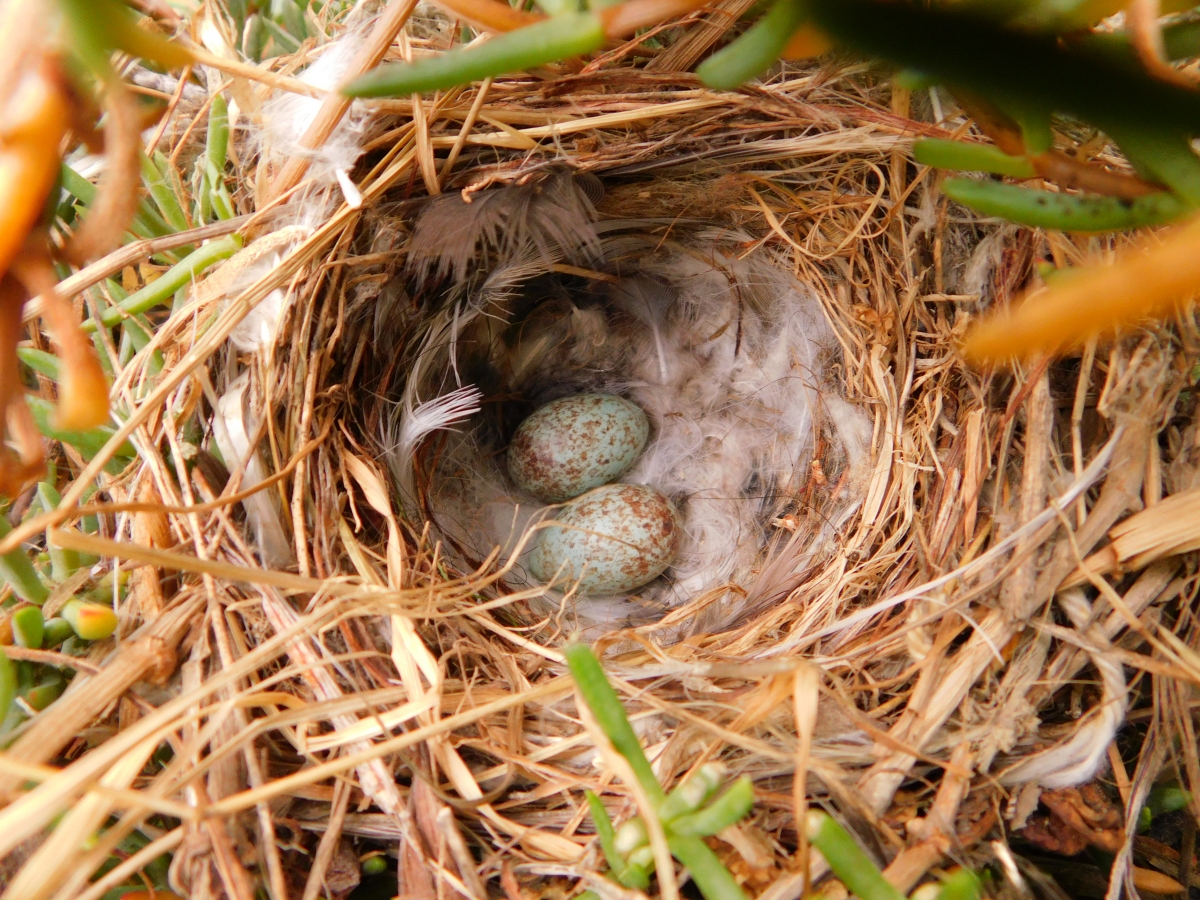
(1079, 757)
(418, 422)
(287, 116)
(232, 430)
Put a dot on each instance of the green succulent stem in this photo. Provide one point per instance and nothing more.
(755, 51)
(160, 290)
(962, 884)
(728, 809)
(8, 683)
(847, 860)
(609, 714)
(712, 878)
(959, 156)
(558, 37)
(163, 194)
(28, 627)
(692, 793)
(1089, 213)
(606, 834)
(22, 577)
(88, 443)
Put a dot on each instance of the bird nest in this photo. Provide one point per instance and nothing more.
(322, 657)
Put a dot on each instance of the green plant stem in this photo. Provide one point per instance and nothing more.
(28, 627)
(559, 37)
(847, 860)
(88, 443)
(728, 809)
(693, 793)
(1165, 157)
(961, 885)
(756, 50)
(179, 275)
(18, 571)
(962, 157)
(146, 222)
(164, 196)
(712, 878)
(1064, 212)
(57, 630)
(606, 708)
(63, 563)
(8, 684)
(604, 831)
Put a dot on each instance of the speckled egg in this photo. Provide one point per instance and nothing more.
(613, 539)
(574, 444)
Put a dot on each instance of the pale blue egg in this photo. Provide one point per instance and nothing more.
(613, 539)
(574, 444)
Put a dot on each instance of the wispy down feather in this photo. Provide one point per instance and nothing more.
(418, 423)
(551, 219)
(647, 301)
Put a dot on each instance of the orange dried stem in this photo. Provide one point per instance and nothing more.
(82, 388)
(624, 19)
(489, 15)
(33, 123)
(117, 194)
(806, 43)
(1146, 283)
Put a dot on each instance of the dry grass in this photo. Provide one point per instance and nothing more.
(368, 692)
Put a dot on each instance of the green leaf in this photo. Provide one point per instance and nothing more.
(847, 860)
(604, 831)
(102, 26)
(40, 361)
(28, 627)
(57, 630)
(63, 563)
(728, 809)
(22, 577)
(1064, 212)
(1164, 157)
(693, 793)
(146, 222)
(1016, 68)
(714, 880)
(48, 689)
(88, 443)
(559, 37)
(961, 885)
(755, 51)
(962, 157)
(609, 714)
(1181, 40)
(164, 195)
(1168, 797)
(180, 275)
(8, 683)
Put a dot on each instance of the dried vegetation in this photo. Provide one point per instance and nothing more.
(921, 680)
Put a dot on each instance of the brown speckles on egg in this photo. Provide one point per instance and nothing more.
(613, 539)
(576, 443)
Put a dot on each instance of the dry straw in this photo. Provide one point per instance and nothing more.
(370, 691)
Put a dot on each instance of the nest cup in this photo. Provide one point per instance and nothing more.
(524, 296)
